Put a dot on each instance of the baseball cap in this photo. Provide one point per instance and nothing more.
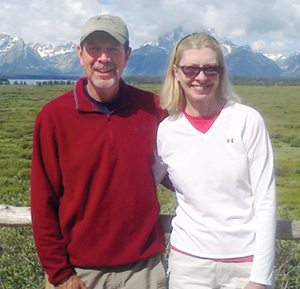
(113, 25)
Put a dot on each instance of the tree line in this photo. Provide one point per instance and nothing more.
(235, 80)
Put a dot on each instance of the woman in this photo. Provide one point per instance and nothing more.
(218, 156)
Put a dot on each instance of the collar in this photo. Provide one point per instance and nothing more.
(83, 103)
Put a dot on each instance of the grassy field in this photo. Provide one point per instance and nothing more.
(280, 107)
(19, 105)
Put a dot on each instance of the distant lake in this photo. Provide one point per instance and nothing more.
(35, 81)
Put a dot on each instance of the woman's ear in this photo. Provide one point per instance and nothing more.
(175, 72)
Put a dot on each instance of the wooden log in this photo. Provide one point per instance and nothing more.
(47, 284)
(21, 216)
(288, 230)
(15, 216)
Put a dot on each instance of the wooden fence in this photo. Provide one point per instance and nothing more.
(20, 217)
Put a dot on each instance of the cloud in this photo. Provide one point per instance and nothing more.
(243, 22)
(276, 22)
(43, 21)
(272, 47)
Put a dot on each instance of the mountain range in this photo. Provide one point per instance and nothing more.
(18, 59)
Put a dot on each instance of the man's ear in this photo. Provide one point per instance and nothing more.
(80, 52)
(128, 52)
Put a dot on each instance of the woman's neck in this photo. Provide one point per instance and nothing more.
(204, 109)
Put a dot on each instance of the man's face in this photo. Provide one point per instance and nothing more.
(103, 59)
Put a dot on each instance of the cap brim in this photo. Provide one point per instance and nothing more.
(114, 34)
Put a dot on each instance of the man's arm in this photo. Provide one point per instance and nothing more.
(46, 187)
(167, 183)
(165, 221)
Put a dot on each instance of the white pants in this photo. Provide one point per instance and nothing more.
(195, 273)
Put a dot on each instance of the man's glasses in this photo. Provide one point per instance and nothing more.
(193, 71)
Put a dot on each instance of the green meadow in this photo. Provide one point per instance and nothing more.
(19, 105)
(280, 107)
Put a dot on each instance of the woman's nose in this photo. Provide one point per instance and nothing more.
(201, 76)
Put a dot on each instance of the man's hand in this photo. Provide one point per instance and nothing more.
(73, 282)
(252, 285)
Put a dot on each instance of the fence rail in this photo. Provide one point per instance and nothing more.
(21, 217)
(15, 216)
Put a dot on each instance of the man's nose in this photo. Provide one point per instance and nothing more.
(103, 57)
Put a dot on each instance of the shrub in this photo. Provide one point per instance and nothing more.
(296, 142)
(19, 264)
(281, 171)
(287, 266)
(24, 174)
(288, 138)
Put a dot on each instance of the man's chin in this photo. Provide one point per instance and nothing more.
(104, 83)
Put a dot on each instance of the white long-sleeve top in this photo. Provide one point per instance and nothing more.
(225, 187)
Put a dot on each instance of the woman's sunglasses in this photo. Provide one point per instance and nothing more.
(193, 71)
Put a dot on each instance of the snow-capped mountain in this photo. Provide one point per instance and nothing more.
(6, 43)
(50, 50)
(151, 59)
(274, 57)
(33, 59)
(290, 65)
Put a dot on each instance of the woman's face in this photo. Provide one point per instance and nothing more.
(202, 87)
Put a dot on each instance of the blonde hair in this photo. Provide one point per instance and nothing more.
(172, 96)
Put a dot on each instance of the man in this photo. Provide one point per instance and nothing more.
(94, 204)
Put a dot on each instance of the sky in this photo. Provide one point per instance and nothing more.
(268, 26)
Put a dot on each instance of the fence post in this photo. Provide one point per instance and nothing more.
(21, 217)
(47, 284)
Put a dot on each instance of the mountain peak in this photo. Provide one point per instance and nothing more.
(274, 57)
(17, 39)
(151, 59)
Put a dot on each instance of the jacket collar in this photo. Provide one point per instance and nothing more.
(83, 103)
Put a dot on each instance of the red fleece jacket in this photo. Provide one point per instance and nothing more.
(93, 195)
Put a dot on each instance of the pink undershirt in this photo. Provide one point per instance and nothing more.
(203, 124)
(227, 260)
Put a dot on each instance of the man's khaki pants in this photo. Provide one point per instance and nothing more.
(146, 274)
